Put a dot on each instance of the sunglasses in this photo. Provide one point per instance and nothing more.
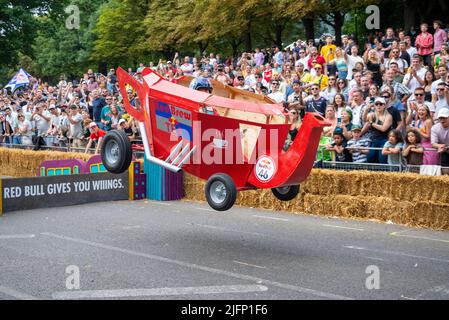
(314, 89)
(379, 104)
(386, 97)
(332, 79)
(419, 94)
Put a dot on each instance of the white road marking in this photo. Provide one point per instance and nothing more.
(17, 236)
(249, 264)
(396, 234)
(202, 268)
(120, 293)
(396, 253)
(159, 202)
(374, 258)
(225, 229)
(407, 298)
(271, 218)
(341, 227)
(16, 294)
(204, 209)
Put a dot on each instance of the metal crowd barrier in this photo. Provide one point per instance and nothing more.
(336, 165)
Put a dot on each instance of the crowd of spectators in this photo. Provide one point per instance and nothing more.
(388, 102)
(75, 114)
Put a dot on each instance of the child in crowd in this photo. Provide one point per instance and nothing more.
(392, 147)
(413, 151)
(339, 147)
(357, 145)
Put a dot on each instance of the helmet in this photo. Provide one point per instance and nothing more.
(202, 83)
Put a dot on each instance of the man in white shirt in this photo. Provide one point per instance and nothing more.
(416, 74)
(303, 58)
(41, 118)
(402, 64)
(353, 59)
(358, 107)
(442, 73)
(187, 67)
(275, 94)
(441, 99)
(410, 50)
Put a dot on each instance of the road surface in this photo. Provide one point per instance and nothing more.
(185, 250)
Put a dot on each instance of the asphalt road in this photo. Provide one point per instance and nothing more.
(185, 250)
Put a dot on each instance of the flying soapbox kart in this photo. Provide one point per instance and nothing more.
(232, 138)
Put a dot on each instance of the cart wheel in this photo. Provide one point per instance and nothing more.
(220, 192)
(286, 193)
(116, 152)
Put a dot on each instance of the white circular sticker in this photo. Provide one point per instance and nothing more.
(265, 168)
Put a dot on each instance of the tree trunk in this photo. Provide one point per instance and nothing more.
(409, 15)
(309, 27)
(278, 31)
(234, 46)
(339, 19)
(247, 38)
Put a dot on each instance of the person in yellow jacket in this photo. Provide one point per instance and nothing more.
(320, 79)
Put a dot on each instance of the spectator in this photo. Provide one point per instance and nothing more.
(24, 131)
(315, 102)
(440, 138)
(424, 44)
(96, 137)
(330, 117)
(321, 79)
(424, 123)
(339, 147)
(75, 134)
(441, 98)
(393, 147)
(378, 125)
(413, 150)
(387, 43)
(358, 145)
(439, 37)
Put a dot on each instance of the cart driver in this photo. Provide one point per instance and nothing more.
(202, 84)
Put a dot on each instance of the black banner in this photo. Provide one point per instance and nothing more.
(58, 191)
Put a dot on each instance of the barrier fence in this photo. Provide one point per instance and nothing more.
(320, 163)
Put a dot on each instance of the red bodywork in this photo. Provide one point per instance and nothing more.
(171, 112)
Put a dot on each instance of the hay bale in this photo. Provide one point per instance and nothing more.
(408, 199)
(24, 163)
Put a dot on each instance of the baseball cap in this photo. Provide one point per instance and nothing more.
(296, 82)
(92, 124)
(443, 113)
(356, 127)
(169, 62)
(121, 121)
(380, 99)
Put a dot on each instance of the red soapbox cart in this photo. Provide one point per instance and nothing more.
(232, 138)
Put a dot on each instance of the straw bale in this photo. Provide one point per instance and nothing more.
(407, 199)
(24, 163)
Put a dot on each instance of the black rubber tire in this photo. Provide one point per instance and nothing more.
(124, 151)
(231, 192)
(286, 195)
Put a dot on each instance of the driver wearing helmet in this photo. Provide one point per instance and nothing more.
(201, 84)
